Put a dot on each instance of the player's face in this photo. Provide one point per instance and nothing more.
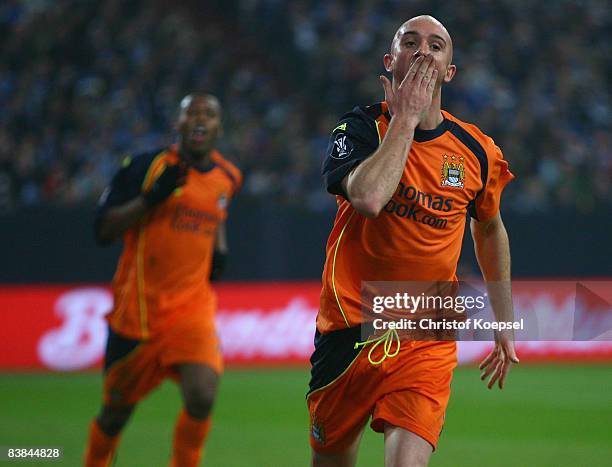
(199, 124)
(421, 36)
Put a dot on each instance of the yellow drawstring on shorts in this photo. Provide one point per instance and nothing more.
(388, 337)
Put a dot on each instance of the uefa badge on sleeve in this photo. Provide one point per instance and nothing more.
(342, 147)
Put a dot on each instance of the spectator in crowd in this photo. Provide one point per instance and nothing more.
(83, 82)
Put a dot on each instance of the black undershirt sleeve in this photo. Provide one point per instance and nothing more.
(125, 186)
(353, 140)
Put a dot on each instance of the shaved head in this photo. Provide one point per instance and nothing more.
(209, 98)
(437, 28)
(421, 36)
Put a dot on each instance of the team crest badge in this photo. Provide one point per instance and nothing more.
(318, 432)
(453, 171)
(222, 201)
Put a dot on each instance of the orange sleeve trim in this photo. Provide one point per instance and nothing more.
(154, 171)
(381, 127)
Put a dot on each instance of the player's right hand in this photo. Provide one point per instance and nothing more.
(412, 98)
(497, 364)
(171, 178)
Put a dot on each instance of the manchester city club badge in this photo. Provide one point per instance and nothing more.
(453, 171)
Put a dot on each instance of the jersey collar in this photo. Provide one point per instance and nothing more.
(202, 169)
(421, 136)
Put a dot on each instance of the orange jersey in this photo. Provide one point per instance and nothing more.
(452, 170)
(167, 257)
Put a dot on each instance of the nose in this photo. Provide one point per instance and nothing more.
(423, 49)
(201, 120)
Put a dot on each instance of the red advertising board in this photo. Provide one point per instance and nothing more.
(62, 328)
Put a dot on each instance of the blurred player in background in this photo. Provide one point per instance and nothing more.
(405, 173)
(170, 208)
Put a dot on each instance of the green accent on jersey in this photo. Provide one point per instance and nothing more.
(337, 377)
(389, 338)
(341, 127)
(334, 269)
(127, 160)
(378, 131)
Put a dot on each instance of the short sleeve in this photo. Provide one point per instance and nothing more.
(486, 204)
(237, 186)
(233, 173)
(354, 139)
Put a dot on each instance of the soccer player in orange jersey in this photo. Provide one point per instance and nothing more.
(169, 206)
(405, 173)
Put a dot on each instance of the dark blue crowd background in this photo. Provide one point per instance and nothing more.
(83, 83)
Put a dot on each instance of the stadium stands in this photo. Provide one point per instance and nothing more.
(82, 83)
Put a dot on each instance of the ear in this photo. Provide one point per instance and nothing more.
(450, 73)
(388, 62)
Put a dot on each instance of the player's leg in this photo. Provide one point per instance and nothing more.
(347, 458)
(412, 410)
(192, 354)
(198, 384)
(111, 420)
(343, 390)
(404, 448)
(130, 373)
(104, 433)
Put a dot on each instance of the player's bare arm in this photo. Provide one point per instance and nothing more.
(117, 220)
(371, 184)
(493, 255)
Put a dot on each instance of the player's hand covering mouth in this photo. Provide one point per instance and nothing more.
(415, 56)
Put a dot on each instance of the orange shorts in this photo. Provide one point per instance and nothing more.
(133, 368)
(410, 391)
